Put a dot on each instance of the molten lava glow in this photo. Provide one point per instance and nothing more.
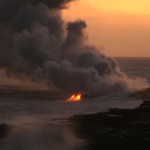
(75, 98)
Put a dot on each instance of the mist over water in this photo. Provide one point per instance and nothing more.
(39, 136)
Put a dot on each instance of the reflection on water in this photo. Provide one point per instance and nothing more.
(37, 137)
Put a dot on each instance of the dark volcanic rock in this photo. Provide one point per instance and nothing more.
(118, 129)
(4, 130)
(143, 94)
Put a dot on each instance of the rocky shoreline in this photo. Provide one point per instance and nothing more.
(118, 129)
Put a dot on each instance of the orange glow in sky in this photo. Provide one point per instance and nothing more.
(121, 6)
(121, 28)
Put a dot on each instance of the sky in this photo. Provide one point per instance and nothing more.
(119, 28)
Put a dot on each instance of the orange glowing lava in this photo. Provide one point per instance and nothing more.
(75, 98)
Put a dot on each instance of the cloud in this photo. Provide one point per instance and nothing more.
(37, 43)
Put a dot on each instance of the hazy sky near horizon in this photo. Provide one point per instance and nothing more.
(120, 28)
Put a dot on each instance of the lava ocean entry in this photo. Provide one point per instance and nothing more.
(81, 96)
(75, 98)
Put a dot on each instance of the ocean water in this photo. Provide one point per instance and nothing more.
(42, 124)
(135, 67)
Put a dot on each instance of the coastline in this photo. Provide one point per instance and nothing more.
(118, 129)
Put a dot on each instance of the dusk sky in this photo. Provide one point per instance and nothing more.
(121, 28)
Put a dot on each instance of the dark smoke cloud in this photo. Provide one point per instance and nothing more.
(37, 43)
(10, 8)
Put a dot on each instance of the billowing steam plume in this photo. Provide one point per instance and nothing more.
(36, 43)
